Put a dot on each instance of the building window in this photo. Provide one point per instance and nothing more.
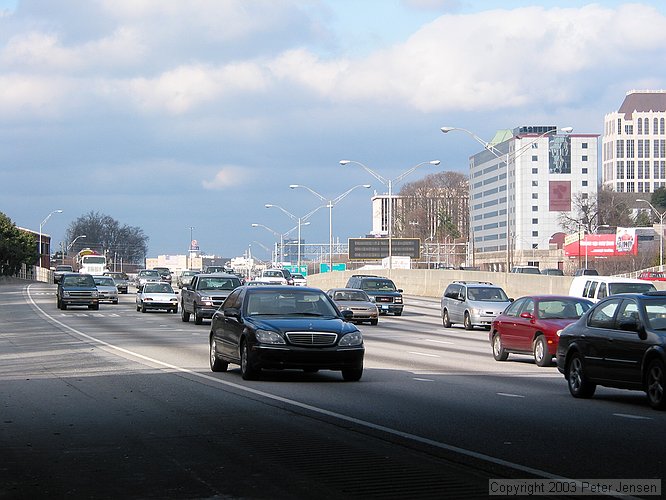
(619, 187)
(535, 183)
(647, 148)
(662, 169)
(661, 127)
(662, 148)
(656, 149)
(535, 208)
(584, 170)
(640, 126)
(535, 158)
(631, 170)
(619, 149)
(535, 196)
(655, 170)
(640, 147)
(630, 187)
(583, 196)
(535, 221)
(619, 126)
(630, 148)
(640, 187)
(584, 183)
(584, 157)
(535, 145)
(584, 145)
(655, 126)
(629, 129)
(620, 170)
(535, 170)
(646, 121)
(640, 169)
(646, 170)
(535, 234)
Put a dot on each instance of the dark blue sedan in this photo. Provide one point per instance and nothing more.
(284, 327)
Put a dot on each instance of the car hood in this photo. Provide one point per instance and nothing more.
(355, 303)
(302, 324)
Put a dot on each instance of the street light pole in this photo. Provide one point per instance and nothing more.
(389, 184)
(330, 203)
(40, 233)
(300, 220)
(495, 152)
(281, 235)
(661, 216)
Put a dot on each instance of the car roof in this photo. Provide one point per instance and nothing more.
(216, 275)
(554, 297)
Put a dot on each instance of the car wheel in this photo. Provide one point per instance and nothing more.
(138, 307)
(579, 386)
(198, 320)
(63, 306)
(58, 302)
(175, 310)
(446, 321)
(397, 313)
(95, 307)
(467, 321)
(352, 374)
(216, 364)
(115, 301)
(184, 315)
(498, 349)
(247, 371)
(540, 349)
(654, 383)
(374, 321)
(143, 307)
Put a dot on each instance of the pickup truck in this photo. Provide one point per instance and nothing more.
(205, 293)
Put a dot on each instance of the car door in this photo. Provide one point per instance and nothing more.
(523, 330)
(624, 349)
(229, 328)
(506, 324)
(595, 337)
(456, 304)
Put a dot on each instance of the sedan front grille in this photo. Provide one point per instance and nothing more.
(312, 338)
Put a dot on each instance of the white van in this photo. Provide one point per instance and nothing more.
(595, 288)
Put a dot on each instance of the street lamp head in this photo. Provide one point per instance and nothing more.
(366, 186)
(255, 225)
(567, 130)
(640, 199)
(305, 223)
(268, 205)
(294, 186)
(447, 129)
(434, 162)
(58, 211)
(344, 162)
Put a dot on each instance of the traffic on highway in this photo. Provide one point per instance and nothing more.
(115, 402)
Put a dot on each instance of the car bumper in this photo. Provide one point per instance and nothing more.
(206, 312)
(392, 308)
(79, 302)
(274, 357)
(160, 305)
(483, 319)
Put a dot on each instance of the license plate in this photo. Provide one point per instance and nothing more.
(384, 306)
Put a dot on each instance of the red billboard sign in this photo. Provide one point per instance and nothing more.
(559, 196)
(623, 242)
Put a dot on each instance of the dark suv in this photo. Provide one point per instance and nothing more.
(76, 289)
(381, 290)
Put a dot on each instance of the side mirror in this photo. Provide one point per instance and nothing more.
(526, 315)
(232, 312)
(347, 315)
(630, 325)
(399, 290)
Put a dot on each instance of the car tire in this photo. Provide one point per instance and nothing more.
(184, 315)
(579, 386)
(115, 301)
(175, 310)
(63, 306)
(352, 374)
(248, 372)
(397, 313)
(138, 308)
(655, 383)
(499, 353)
(446, 321)
(467, 322)
(540, 350)
(216, 364)
(374, 321)
(143, 307)
(198, 320)
(95, 307)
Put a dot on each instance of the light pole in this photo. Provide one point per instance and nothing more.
(281, 235)
(495, 152)
(661, 216)
(330, 204)
(301, 222)
(69, 247)
(389, 184)
(40, 233)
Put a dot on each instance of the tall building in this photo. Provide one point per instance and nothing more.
(634, 143)
(541, 172)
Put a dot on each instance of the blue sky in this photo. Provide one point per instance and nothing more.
(167, 114)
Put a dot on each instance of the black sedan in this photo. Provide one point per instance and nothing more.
(284, 327)
(620, 342)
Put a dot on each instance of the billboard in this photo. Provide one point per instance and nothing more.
(377, 248)
(623, 242)
(559, 196)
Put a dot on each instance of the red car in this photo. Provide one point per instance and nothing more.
(652, 276)
(530, 326)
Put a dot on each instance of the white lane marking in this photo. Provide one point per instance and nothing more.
(507, 395)
(423, 354)
(305, 406)
(635, 417)
(439, 341)
(424, 379)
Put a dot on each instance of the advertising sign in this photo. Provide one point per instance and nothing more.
(623, 242)
(559, 196)
(377, 248)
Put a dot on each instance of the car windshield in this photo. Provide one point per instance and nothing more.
(63, 268)
(562, 309)
(298, 276)
(104, 281)
(218, 283)
(116, 276)
(487, 294)
(655, 309)
(288, 303)
(82, 280)
(378, 285)
(630, 288)
(149, 273)
(188, 273)
(273, 274)
(157, 288)
(352, 296)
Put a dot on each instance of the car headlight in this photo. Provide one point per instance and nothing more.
(173, 300)
(372, 299)
(351, 339)
(397, 300)
(95, 294)
(65, 293)
(344, 308)
(268, 337)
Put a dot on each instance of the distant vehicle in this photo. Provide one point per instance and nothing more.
(596, 288)
(356, 301)
(276, 277)
(77, 289)
(284, 327)
(59, 271)
(215, 269)
(552, 272)
(91, 263)
(525, 269)
(121, 279)
(205, 294)
(147, 275)
(185, 277)
(652, 276)
(299, 280)
(382, 291)
(106, 288)
(472, 303)
(586, 272)
(156, 295)
(165, 273)
(530, 326)
(620, 342)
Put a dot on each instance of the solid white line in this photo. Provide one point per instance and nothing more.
(423, 354)
(305, 406)
(506, 394)
(424, 379)
(439, 341)
(635, 417)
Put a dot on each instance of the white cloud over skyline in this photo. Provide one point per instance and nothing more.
(276, 87)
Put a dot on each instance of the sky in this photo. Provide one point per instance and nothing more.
(169, 115)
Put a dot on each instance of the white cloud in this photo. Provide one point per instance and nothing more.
(226, 177)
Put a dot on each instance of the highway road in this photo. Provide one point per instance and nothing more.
(115, 403)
